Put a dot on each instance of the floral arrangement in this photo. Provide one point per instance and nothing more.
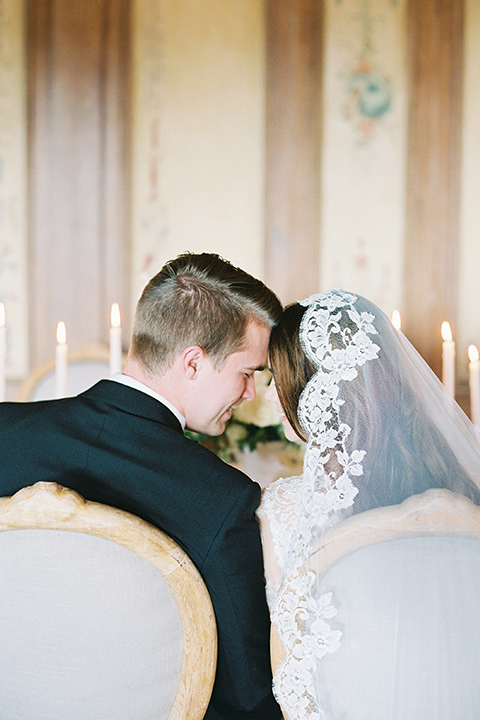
(254, 423)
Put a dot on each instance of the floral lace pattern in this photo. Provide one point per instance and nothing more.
(336, 338)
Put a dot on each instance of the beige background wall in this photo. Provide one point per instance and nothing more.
(156, 126)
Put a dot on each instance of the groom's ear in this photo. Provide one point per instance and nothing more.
(192, 360)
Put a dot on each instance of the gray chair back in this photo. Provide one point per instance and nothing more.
(102, 616)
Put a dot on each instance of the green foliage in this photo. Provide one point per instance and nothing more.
(237, 437)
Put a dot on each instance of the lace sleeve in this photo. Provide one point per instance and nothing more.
(277, 513)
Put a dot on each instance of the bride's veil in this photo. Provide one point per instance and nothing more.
(380, 428)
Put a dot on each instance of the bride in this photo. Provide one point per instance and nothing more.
(379, 427)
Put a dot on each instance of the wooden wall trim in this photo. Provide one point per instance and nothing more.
(77, 79)
(294, 59)
(435, 32)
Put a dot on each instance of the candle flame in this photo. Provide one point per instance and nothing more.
(446, 331)
(473, 353)
(61, 333)
(115, 315)
(396, 320)
(2, 315)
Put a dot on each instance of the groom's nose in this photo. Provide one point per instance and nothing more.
(249, 393)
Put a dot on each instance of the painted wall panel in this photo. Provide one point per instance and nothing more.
(198, 132)
(364, 149)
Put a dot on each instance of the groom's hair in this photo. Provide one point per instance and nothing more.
(199, 300)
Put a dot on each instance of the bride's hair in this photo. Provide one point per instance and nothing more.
(406, 452)
(290, 367)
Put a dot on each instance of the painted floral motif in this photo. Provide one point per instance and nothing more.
(368, 98)
(368, 90)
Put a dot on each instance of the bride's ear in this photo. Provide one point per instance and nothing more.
(192, 360)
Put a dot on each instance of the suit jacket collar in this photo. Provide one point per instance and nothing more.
(132, 401)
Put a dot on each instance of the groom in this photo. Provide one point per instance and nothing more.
(201, 331)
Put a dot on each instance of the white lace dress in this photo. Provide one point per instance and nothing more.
(296, 511)
(301, 620)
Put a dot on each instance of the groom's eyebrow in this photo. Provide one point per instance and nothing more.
(250, 369)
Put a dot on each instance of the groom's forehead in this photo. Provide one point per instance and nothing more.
(254, 347)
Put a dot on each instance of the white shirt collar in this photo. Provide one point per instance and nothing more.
(131, 382)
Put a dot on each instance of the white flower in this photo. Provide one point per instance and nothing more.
(235, 433)
(259, 412)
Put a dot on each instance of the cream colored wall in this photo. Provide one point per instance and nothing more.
(198, 145)
(198, 132)
(198, 128)
(198, 141)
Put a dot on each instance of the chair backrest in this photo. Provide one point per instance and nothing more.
(86, 366)
(405, 583)
(101, 614)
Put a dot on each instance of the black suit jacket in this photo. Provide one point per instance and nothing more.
(117, 445)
